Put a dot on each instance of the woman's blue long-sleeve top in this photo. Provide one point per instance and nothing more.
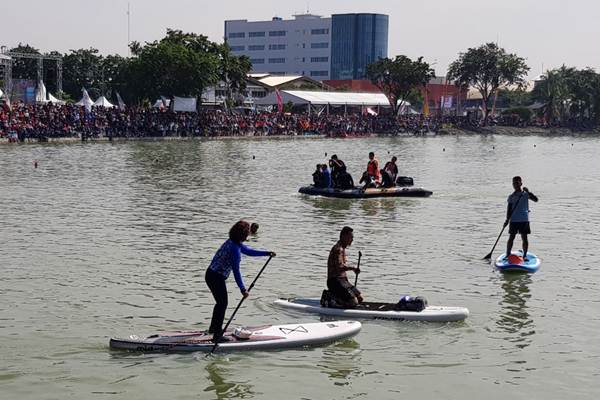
(228, 259)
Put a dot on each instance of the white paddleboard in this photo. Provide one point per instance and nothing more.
(256, 338)
(430, 313)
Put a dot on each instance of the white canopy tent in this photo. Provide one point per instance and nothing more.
(103, 102)
(162, 103)
(85, 101)
(54, 100)
(319, 98)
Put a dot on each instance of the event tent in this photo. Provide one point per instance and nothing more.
(103, 102)
(85, 101)
(54, 100)
(319, 98)
(302, 97)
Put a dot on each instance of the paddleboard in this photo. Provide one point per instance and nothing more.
(377, 311)
(255, 338)
(516, 263)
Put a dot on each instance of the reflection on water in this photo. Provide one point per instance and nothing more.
(341, 362)
(514, 318)
(223, 385)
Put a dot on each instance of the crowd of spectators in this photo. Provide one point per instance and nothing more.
(44, 121)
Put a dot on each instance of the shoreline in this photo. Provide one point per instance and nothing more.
(490, 130)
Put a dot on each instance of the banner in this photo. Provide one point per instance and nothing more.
(184, 104)
(446, 102)
(279, 101)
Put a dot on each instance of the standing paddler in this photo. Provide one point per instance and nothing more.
(517, 214)
(226, 260)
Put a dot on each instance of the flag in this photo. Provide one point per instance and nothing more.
(426, 104)
(370, 111)
(279, 101)
(120, 102)
(165, 103)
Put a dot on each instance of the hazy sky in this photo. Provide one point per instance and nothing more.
(545, 32)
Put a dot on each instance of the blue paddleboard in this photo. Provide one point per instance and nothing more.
(516, 263)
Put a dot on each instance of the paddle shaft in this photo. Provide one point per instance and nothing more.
(241, 301)
(504, 227)
(357, 267)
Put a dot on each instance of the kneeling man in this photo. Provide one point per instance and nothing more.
(344, 293)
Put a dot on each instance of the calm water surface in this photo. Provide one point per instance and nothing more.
(106, 240)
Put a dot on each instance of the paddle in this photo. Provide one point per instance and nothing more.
(489, 256)
(358, 268)
(241, 301)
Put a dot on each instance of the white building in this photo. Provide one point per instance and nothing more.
(300, 46)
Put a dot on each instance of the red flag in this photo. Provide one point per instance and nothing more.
(279, 101)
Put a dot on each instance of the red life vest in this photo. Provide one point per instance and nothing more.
(373, 169)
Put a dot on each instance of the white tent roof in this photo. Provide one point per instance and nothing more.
(300, 97)
(159, 103)
(1, 94)
(54, 100)
(85, 101)
(103, 102)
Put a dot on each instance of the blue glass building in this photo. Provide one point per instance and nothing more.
(357, 40)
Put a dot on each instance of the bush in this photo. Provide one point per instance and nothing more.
(522, 112)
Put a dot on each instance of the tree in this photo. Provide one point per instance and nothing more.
(400, 79)
(553, 92)
(81, 68)
(233, 70)
(488, 68)
(180, 64)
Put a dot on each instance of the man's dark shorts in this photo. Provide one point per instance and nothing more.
(519, 227)
(342, 289)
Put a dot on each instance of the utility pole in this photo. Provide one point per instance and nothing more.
(128, 30)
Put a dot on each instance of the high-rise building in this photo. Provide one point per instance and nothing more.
(307, 45)
(357, 40)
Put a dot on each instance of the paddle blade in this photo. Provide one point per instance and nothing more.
(488, 257)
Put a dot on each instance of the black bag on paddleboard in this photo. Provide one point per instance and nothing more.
(408, 303)
(404, 181)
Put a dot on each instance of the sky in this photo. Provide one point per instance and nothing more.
(547, 33)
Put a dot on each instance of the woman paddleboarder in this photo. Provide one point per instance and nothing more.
(226, 260)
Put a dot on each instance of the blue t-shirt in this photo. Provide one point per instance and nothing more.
(228, 259)
(519, 203)
(327, 177)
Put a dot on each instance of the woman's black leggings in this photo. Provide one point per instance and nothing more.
(216, 284)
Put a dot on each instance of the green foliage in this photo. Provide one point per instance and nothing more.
(399, 79)
(488, 68)
(182, 64)
(568, 92)
(82, 68)
(515, 97)
(523, 112)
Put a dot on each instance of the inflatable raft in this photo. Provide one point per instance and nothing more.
(253, 338)
(377, 311)
(358, 193)
(516, 263)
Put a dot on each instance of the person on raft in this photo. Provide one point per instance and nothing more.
(340, 177)
(226, 260)
(389, 173)
(372, 176)
(337, 167)
(344, 293)
(322, 177)
(517, 214)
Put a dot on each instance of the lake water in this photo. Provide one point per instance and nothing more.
(106, 240)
